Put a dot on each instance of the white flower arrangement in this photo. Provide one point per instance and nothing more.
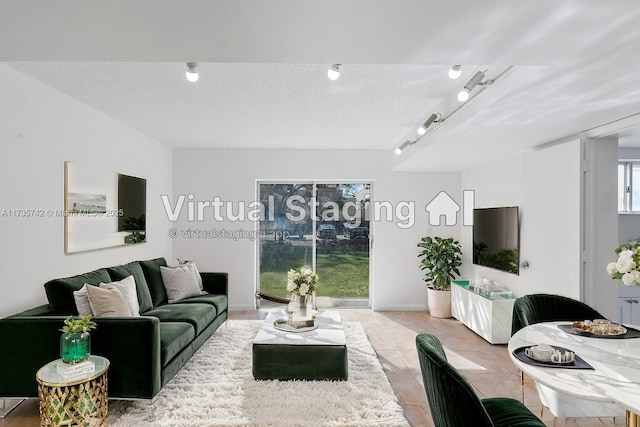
(302, 282)
(627, 267)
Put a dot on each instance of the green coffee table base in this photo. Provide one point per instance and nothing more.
(300, 362)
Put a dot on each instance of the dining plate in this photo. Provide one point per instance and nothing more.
(578, 363)
(630, 332)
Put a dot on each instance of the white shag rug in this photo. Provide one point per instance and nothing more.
(216, 388)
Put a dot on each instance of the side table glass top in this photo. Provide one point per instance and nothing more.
(49, 375)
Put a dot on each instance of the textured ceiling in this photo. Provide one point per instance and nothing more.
(575, 66)
(256, 105)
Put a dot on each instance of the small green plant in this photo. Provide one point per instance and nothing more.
(440, 261)
(78, 324)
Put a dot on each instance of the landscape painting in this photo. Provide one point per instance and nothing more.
(86, 203)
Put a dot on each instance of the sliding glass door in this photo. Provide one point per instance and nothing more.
(323, 226)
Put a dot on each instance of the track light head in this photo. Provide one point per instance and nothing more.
(334, 72)
(192, 72)
(404, 145)
(475, 81)
(433, 118)
(454, 72)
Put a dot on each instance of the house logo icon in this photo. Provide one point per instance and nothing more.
(444, 205)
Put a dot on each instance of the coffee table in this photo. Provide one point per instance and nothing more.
(320, 354)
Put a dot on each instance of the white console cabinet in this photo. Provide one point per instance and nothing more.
(489, 318)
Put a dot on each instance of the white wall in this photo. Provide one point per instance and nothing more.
(601, 223)
(495, 184)
(545, 184)
(40, 128)
(232, 175)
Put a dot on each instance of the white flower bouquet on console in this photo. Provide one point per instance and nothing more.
(627, 267)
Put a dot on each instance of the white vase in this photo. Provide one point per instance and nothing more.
(439, 303)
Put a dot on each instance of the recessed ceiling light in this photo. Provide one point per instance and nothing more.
(454, 72)
(334, 72)
(192, 72)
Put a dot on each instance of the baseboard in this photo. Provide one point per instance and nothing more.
(384, 307)
(245, 307)
(400, 307)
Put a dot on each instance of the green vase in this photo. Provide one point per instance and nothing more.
(75, 347)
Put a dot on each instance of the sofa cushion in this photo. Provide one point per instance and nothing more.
(179, 282)
(119, 272)
(127, 288)
(174, 336)
(196, 273)
(107, 301)
(82, 301)
(151, 270)
(198, 315)
(221, 302)
(60, 291)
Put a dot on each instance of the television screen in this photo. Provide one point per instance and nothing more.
(496, 238)
(132, 201)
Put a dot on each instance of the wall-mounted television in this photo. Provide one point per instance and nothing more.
(496, 238)
(132, 204)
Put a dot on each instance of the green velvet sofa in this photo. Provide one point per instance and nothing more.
(145, 352)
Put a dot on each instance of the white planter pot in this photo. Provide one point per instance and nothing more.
(439, 303)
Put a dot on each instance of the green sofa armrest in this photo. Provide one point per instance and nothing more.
(215, 283)
(29, 343)
(131, 344)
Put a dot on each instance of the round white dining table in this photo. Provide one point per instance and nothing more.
(610, 388)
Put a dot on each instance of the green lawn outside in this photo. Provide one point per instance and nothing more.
(341, 274)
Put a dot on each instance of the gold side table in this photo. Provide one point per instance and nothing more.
(78, 402)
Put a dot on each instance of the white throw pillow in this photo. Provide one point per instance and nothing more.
(107, 301)
(196, 273)
(179, 282)
(82, 301)
(127, 287)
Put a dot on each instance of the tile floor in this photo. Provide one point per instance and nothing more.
(392, 335)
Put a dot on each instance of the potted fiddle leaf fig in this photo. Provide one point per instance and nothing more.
(440, 259)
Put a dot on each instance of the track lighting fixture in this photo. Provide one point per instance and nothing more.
(434, 118)
(475, 81)
(192, 72)
(454, 72)
(334, 72)
(404, 145)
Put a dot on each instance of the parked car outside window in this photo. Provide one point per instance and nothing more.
(326, 231)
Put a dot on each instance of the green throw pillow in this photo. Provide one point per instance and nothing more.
(151, 270)
(120, 272)
(60, 291)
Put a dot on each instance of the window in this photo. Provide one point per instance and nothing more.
(322, 225)
(629, 186)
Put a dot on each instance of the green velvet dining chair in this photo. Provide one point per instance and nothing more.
(538, 308)
(453, 402)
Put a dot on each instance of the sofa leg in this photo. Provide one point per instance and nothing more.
(152, 410)
(8, 405)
